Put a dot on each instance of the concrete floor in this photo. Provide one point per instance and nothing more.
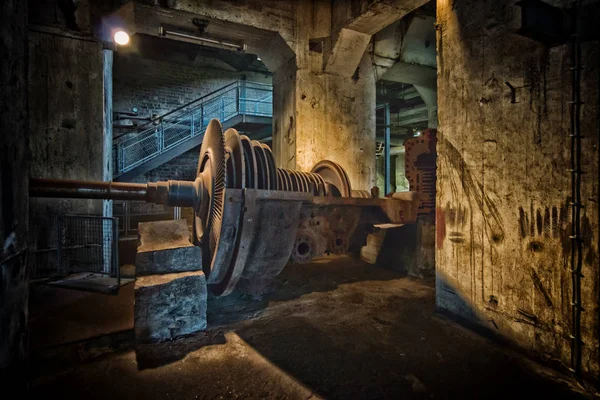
(337, 328)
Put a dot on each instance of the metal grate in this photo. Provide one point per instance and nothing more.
(88, 244)
(190, 120)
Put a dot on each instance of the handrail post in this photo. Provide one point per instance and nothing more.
(237, 98)
(122, 157)
(201, 117)
(242, 97)
(222, 108)
(126, 218)
(119, 155)
(192, 131)
(161, 136)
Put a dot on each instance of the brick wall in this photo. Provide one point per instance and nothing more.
(179, 168)
(156, 87)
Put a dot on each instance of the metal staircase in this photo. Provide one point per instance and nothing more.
(241, 103)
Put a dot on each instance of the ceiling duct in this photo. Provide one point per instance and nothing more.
(190, 35)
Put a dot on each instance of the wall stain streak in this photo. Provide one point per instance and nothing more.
(473, 190)
(537, 282)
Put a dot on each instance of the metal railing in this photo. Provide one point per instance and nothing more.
(189, 121)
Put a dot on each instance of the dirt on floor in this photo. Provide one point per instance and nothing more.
(336, 328)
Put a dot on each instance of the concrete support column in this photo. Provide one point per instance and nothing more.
(429, 96)
(284, 115)
(14, 207)
(324, 97)
(321, 116)
(107, 161)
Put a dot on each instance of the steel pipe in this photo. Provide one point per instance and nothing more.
(171, 193)
(87, 189)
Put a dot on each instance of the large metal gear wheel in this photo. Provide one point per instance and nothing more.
(262, 167)
(335, 178)
(211, 172)
(234, 160)
(249, 162)
(270, 161)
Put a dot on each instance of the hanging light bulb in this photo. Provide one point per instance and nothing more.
(121, 37)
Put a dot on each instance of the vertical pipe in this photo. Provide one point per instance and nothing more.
(576, 203)
(598, 164)
(386, 150)
(107, 156)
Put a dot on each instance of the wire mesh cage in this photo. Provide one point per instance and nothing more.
(88, 244)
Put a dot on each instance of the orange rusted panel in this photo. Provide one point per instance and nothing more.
(420, 161)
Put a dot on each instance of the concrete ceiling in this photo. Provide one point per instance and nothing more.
(145, 19)
(165, 49)
(404, 56)
(405, 52)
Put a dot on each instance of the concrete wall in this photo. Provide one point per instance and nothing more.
(66, 123)
(503, 187)
(284, 116)
(326, 116)
(398, 181)
(335, 120)
(14, 290)
(157, 87)
(319, 115)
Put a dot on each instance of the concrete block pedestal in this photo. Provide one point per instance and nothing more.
(170, 287)
(168, 306)
(165, 247)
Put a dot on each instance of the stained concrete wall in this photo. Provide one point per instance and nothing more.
(284, 115)
(330, 117)
(398, 181)
(66, 123)
(335, 120)
(320, 115)
(503, 185)
(14, 290)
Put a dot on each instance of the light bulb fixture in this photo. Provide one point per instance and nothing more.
(121, 37)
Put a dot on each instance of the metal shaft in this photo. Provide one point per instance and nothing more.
(171, 193)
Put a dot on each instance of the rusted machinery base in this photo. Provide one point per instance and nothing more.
(264, 229)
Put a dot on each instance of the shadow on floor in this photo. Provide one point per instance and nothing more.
(154, 355)
(296, 280)
(58, 315)
(340, 329)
